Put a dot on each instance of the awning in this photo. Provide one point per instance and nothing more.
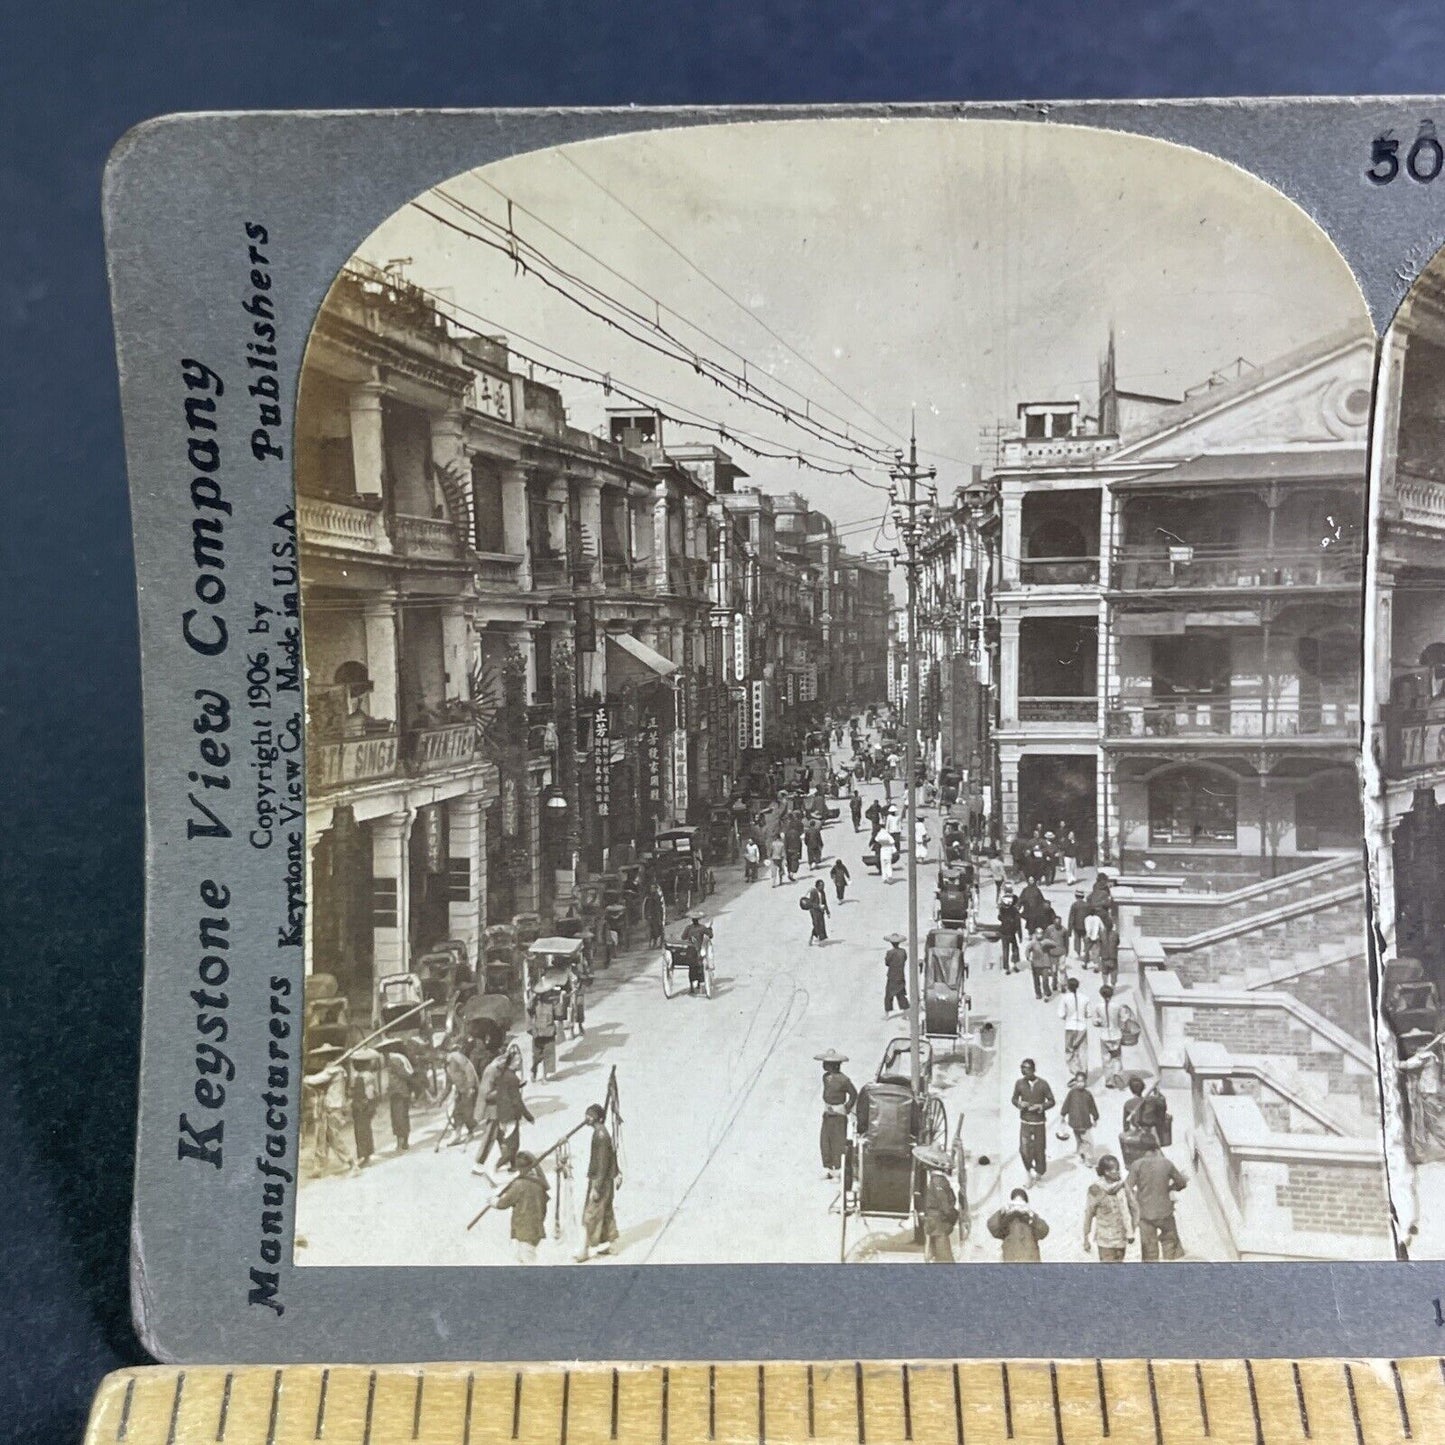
(638, 661)
(1342, 465)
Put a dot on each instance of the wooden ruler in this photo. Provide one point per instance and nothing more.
(971, 1402)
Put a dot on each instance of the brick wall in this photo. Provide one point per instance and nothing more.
(1328, 928)
(1340, 992)
(1337, 1199)
(1167, 917)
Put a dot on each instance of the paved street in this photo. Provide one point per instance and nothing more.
(720, 1101)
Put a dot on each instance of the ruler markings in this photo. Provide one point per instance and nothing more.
(223, 1415)
(907, 1403)
(1058, 1412)
(1103, 1396)
(1400, 1400)
(321, 1405)
(1299, 1396)
(566, 1403)
(762, 1408)
(517, 1405)
(1254, 1404)
(1203, 1402)
(275, 1408)
(175, 1408)
(666, 1402)
(370, 1408)
(467, 1416)
(416, 1405)
(958, 1405)
(616, 1389)
(1154, 1404)
(858, 1394)
(129, 1400)
(1354, 1405)
(1008, 1404)
(812, 1417)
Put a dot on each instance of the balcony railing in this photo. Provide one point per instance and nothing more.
(549, 572)
(498, 569)
(358, 528)
(430, 749)
(428, 538)
(1153, 569)
(334, 764)
(1058, 571)
(1058, 709)
(1213, 716)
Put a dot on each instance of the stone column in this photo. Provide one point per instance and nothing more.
(467, 851)
(530, 806)
(453, 468)
(515, 523)
(557, 517)
(1011, 542)
(367, 452)
(1008, 668)
(591, 493)
(390, 894)
(381, 660)
(661, 574)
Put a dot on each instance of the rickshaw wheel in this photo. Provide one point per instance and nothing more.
(666, 973)
(915, 1202)
(933, 1127)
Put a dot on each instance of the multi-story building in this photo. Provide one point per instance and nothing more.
(1214, 736)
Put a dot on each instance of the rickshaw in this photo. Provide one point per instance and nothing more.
(680, 866)
(954, 841)
(945, 970)
(401, 1001)
(328, 1014)
(723, 826)
(615, 911)
(447, 981)
(500, 974)
(682, 961)
(528, 928)
(954, 897)
(881, 1178)
(558, 965)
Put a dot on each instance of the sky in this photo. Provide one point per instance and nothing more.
(955, 267)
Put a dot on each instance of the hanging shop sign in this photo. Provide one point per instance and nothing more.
(432, 824)
(740, 647)
(680, 797)
(759, 715)
(602, 761)
(652, 759)
(509, 806)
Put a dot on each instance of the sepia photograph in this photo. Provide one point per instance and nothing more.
(1405, 654)
(833, 690)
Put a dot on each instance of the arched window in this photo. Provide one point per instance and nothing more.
(1192, 806)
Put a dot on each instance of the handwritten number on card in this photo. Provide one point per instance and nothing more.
(1423, 161)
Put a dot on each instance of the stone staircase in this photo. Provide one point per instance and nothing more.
(1262, 1009)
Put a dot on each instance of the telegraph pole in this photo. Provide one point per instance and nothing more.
(912, 513)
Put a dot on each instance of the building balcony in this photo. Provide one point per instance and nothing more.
(549, 574)
(498, 569)
(1419, 498)
(427, 539)
(435, 749)
(1059, 710)
(1056, 451)
(1058, 572)
(338, 763)
(1148, 720)
(1187, 568)
(353, 526)
(616, 574)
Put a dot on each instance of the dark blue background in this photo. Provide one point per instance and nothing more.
(73, 77)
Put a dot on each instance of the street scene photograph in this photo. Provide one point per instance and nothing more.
(1405, 766)
(834, 682)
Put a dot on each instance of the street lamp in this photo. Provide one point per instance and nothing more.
(912, 514)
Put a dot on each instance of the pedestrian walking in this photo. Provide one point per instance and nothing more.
(840, 876)
(400, 1076)
(793, 851)
(896, 987)
(1078, 1114)
(777, 855)
(1110, 1215)
(1094, 927)
(1056, 946)
(1069, 852)
(1033, 906)
(1111, 1040)
(894, 825)
(839, 1098)
(487, 1128)
(887, 854)
(1073, 1015)
(654, 911)
(599, 1218)
(752, 856)
(855, 807)
(940, 1205)
(461, 1093)
(1033, 1098)
(813, 837)
(1041, 966)
(1078, 912)
(363, 1106)
(815, 901)
(1108, 953)
(333, 1110)
(525, 1196)
(1010, 930)
(1019, 1228)
(1154, 1181)
(998, 872)
(511, 1108)
(921, 839)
